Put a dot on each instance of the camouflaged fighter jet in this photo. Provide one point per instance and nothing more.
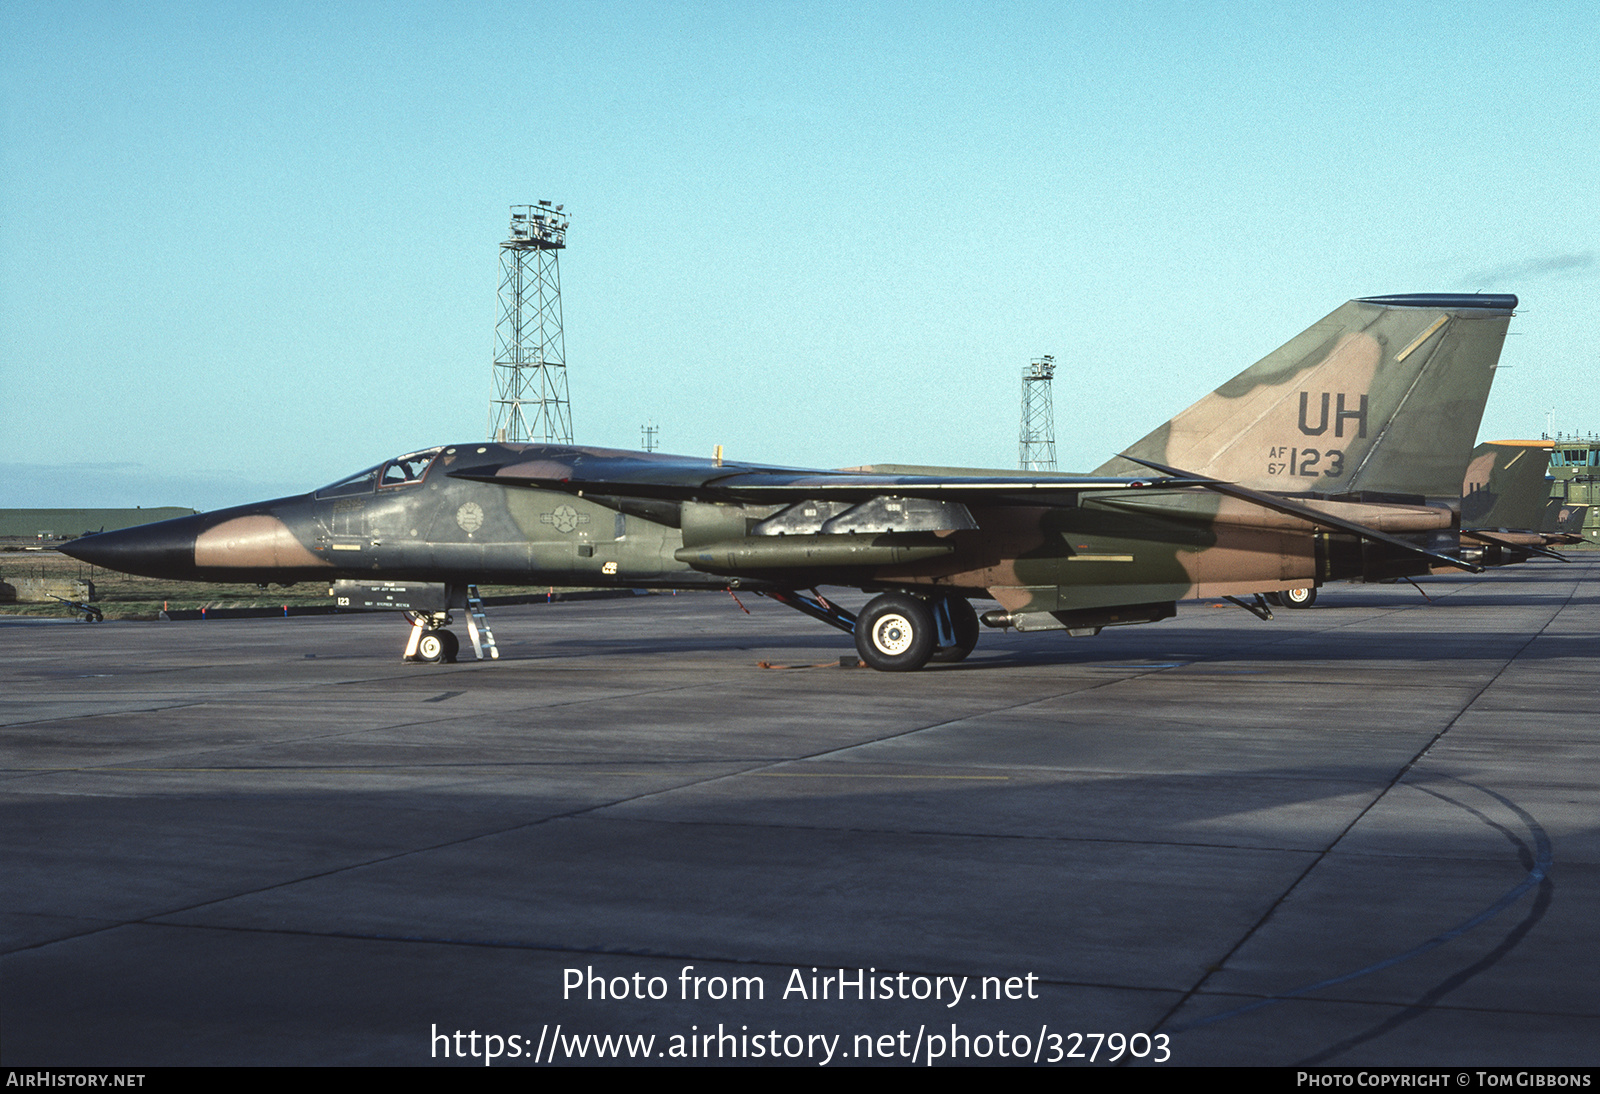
(1337, 456)
(1503, 498)
(1503, 501)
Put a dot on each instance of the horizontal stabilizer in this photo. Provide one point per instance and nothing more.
(1315, 516)
(1532, 543)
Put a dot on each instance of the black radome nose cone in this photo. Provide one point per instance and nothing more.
(163, 549)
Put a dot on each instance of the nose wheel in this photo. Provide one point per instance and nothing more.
(429, 642)
(438, 646)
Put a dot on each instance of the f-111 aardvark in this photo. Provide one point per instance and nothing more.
(1338, 456)
(1503, 499)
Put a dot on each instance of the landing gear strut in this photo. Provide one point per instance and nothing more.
(429, 641)
(961, 636)
(897, 632)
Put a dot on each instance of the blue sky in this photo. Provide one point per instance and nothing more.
(247, 249)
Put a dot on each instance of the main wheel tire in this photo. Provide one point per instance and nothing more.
(895, 633)
(1273, 599)
(964, 622)
(452, 646)
(1298, 598)
(431, 647)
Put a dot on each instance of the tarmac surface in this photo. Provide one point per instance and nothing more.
(1364, 833)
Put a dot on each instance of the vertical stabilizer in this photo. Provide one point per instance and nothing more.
(1384, 394)
(1505, 485)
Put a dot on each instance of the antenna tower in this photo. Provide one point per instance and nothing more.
(647, 436)
(1037, 447)
(529, 400)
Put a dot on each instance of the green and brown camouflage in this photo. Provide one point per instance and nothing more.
(1324, 461)
(1505, 486)
(1501, 505)
(1383, 396)
(1503, 501)
(1565, 520)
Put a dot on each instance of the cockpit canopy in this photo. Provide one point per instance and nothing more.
(400, 471)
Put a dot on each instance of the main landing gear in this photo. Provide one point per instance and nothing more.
(963, 633)
(898, 632)
(1294, 598)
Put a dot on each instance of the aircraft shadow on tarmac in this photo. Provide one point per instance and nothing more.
(1442, 631)
(1443, 641)
(1142, 881)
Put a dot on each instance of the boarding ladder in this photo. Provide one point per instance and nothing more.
(476, 622)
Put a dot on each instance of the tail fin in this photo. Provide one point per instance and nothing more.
(1384, 396)
(1505, 485)
(1564, 519)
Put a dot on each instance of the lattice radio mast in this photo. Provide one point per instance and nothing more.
(529, 402)
(1037, 447)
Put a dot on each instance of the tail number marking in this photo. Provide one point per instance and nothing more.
(1357, 416)
(1305, 462)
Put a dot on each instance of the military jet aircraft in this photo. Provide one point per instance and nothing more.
(1503, 498)
(1503, 501)
(1563, 521)
(1337, 456)
(1506, 485)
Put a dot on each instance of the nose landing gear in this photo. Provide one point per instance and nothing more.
(429, 641)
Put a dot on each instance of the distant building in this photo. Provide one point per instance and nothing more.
(1575, 479)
